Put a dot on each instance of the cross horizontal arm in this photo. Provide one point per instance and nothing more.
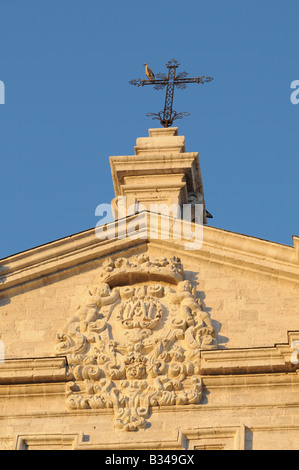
(192, 80)
(177, 81)
(140, 82)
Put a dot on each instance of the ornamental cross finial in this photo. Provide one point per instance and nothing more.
(170, 81)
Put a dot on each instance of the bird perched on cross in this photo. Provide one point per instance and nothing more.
(149, 73)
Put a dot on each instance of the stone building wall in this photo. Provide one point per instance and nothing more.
(139, 343)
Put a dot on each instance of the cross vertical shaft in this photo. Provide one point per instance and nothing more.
(169, 96)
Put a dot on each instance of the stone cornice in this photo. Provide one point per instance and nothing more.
(226, 363)
(250, 360)
(27, 270)
(33, 370)
(85, 251)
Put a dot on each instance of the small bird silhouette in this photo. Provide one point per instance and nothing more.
(149, 73)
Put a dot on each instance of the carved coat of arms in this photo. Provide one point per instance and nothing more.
(134, 343)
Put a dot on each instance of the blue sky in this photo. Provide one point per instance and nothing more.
(66, 66)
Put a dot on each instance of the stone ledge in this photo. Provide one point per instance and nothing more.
(218, 362)
(33, 370)
(250, 361)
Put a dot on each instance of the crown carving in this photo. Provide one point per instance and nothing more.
(140, 268)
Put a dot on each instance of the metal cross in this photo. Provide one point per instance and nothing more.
(168, 115)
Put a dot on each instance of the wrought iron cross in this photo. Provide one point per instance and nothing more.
(168, 115)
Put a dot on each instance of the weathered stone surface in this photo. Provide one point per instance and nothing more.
(190, 349)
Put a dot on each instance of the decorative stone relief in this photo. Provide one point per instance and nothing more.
(134, 343)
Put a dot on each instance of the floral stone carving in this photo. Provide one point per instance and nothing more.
(134, 343)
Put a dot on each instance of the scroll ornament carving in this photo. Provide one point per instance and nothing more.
(133, 347)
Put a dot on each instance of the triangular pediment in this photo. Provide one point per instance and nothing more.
(153, 317)
(83, 251)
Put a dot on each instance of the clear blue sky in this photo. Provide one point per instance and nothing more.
(66, 65)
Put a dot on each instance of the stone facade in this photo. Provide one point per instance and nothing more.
(137, 343)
